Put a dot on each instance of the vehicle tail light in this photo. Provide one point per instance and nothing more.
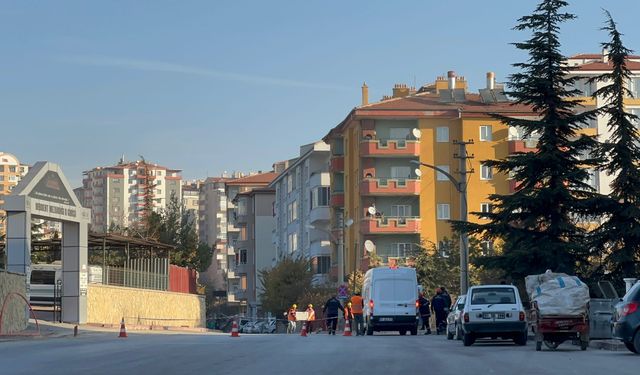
(629, 308)
(417, 303)
(521, 316)
(370, 307)
(466, 317)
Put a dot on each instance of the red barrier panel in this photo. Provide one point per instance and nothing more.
(182, 280)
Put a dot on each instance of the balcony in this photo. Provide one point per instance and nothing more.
(390, 225)
(231, 274)
(319, 179)
(337, 199)
(389, 186)
(319, 248)
(522, 146)
(389, 148)
(336, 164)
(320, 213)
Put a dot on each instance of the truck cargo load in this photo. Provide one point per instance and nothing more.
(558, 293)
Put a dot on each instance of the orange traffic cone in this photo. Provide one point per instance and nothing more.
(347, 328)
(234, 329)
(123, 329)
(303, 332)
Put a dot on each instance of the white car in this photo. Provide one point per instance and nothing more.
(494, 311)
(454, 319)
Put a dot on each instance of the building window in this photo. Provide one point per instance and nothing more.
(243, 256)
(634, 87)
(400, 210)
(243, 282)
(293, 242)
(486, 172)
(400, 172)
(292, 211)
(443, 211)
(486, 207)
(323, 264)
(399, 133)
(485, 133)
(442, 134)
(12, 168)
(319, 197)
(289, 183)
(441, 176)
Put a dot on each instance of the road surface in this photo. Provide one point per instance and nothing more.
(104, 353)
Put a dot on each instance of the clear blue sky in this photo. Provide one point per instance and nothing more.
(209, 86)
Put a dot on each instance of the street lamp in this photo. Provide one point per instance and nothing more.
(340, 242)
(461, 187)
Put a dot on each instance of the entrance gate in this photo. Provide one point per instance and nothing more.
(44, 193)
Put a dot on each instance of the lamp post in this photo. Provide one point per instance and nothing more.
(344, 224)
(461, 187)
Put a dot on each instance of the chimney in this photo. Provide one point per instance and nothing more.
(400, 90)
(491, 80)
(451, 75)
(365, 94)
(605, 56)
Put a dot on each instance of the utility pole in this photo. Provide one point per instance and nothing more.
(462, 156)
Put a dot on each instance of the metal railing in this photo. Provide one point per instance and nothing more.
(139, 273)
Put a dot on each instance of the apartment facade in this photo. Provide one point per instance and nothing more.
(303, 225)
(191, 201)
(374, 182)
(254, 249)
(11, 172)
(589, 65)
(117, 194)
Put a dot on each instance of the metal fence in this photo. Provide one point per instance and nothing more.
(150, 273)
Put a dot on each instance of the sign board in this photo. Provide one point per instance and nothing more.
(343, 291)
(84, 278)
(50, 188)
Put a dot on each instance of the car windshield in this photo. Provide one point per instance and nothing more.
(493, 296)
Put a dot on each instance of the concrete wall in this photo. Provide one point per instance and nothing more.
(108, 304)
(14, 319)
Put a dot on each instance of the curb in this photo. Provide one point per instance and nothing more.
(133, 327)
(612, 345)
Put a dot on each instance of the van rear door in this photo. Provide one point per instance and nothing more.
(384, 296)
(405, 296)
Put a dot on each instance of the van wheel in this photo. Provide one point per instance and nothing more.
(369, 330)
(468, 339)
(414, 331)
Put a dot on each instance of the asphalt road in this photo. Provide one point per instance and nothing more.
(103, 353)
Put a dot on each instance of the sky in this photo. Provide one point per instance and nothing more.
(214, 86)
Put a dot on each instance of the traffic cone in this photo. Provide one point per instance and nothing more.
(347, 328)
(234, 329)
(303, 332)
(123, 329)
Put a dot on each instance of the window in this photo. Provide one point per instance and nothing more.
(243, 282)
(400, 172)
(441, 176)
(323, 264)
(486, 172)
(292, 211)
(319, 197)
(12, 168)
(634, 87)
(494, 296)
(399, 133)
(293, 242)
(43, 277)
(442, 134)
(487, 247)
(443, 211)
(486, 207)
(289, 183)
(400, 210)
(401, 250)
(243, 256)
(485, 133)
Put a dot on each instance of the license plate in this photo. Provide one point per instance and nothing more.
(487, 315)
(500, 316)
(386, 319)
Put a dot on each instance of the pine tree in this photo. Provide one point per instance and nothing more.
(618, 237)
(539, 222)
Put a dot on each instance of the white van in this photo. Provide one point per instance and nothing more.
(44, 277)
(390, 297)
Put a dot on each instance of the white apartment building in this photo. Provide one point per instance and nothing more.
(587, 66)
(191, 201)
(11, 172)
(302, 210)
(116, 194)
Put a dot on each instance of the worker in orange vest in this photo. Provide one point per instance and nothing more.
(357, 304)
(348, 315)
(311, 316)
(291, 317)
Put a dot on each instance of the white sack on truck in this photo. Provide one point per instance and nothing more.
(558, 293)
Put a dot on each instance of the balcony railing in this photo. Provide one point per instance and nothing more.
(337, 199)
(389, 186)
(529, 145)
(390, 225)
(389, 148)
(336, 164)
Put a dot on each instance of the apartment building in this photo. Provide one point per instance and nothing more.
(254, 249)
(374, 183)
(117, 194)
(191, 201)
(302, 210)
(588, 65)
(11, 172)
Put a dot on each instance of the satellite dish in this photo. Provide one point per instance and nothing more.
(348, 222)
(371, 210)
(418, 172)
(369, 246)
(416, 133)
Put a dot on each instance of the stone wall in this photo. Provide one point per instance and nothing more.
(15, 317)
(107, 304)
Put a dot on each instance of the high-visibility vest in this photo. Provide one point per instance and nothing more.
(348, 313)
(292, 315)
(311, 314)
(356, 304)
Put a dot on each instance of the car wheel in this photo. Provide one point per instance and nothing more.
(631, 348)
(636, 342)
(468, 339)
(458, 333)
(521, 338)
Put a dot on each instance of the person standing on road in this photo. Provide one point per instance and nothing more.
(291, 317)
(311, 316)
(330, 310)
(357, 304)
(447, 298)
(424, 307)
(348, 315)
(438, 306)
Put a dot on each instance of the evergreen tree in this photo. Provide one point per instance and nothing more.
(539, 223)
(618, 237)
